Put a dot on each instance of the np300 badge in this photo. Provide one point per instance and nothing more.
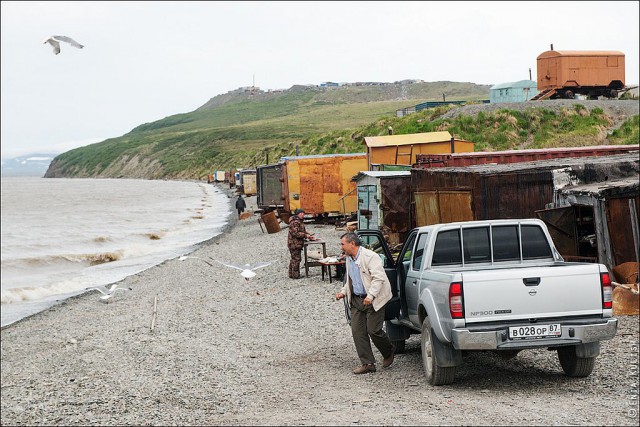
(489, 312)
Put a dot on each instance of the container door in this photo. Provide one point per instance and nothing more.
(443, 206)
(367, 208)
(427, 209)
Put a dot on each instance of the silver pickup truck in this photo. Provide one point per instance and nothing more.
(496, 285)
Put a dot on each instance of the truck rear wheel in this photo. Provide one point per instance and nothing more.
(436, 375)
(575, 366)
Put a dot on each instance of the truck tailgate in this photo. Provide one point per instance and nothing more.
(532, 292)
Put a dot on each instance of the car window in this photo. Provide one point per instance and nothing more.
(408, 249)
(477, 246)
(534, 243)
(419, 255)
(373, 243)
(506, 246)
(447, 249)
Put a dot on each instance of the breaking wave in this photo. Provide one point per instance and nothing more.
(32, 293)
(52, 260)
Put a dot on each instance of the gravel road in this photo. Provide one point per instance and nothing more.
(273, 351)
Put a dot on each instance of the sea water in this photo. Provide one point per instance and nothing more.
(61, 236)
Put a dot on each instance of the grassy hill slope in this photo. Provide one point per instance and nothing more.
(229, 129)
(240, 130)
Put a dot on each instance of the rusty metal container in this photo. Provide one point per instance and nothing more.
(425, 161)
(383, 202)
(269, 186)
(321, 184)
(248, 181)
(523, 190)
(234, 175)
(592, 73)
(514, 190)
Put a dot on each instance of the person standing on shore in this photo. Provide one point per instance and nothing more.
(240, 205)
(295, 242)
(367, 289)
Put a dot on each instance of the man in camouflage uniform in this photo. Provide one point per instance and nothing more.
(295, 242)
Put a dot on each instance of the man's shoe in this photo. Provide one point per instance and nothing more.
(364, 369)
(386, 362)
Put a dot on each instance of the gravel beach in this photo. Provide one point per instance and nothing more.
(273, 351)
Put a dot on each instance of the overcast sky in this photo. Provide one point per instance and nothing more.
(143, 61)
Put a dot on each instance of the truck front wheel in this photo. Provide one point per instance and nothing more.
(575, 366)
(436, 375)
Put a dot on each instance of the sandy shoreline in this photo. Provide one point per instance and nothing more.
(271, 351)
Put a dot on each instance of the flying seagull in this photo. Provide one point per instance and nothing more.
(55, 42)
(107, 292)
(247, 270)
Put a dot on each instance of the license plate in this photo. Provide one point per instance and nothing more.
(535, 331)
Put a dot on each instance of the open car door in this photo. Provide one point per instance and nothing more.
(375, 241)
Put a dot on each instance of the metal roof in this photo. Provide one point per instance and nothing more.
(510, 85)
(629, 184)
(411, 138)
(316, 156)
(380, 174)
(554, 53)
(490, 168)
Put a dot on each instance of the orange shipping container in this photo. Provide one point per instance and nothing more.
(591, 73)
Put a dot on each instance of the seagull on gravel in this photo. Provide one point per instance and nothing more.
(246, 270)
(107, 292)
(55, 42)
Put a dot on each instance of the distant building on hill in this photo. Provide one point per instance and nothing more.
(520, 91)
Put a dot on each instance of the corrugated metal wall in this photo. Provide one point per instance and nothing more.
(512, 94)
(407, 154)
(249, 183)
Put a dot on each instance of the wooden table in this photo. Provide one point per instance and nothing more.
(308, 263)
(328, 265)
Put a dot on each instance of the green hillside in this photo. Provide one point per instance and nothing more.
(243, 129)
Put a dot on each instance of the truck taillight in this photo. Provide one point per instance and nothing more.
(456, 307)
(607, 290)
